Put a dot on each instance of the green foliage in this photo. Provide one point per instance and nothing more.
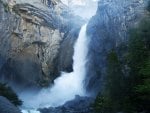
(111, 98)
(114, 80)
(128, 93)
(99, 104)
(139, 62)
(102, 104)
(7, 92)
(142, 88)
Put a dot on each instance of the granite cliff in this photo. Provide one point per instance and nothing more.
(33, 41)
(37, 38)
(108, 29)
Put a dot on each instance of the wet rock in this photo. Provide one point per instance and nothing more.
(7, 107)
(78, 105)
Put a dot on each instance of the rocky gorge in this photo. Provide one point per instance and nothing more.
(37, 41)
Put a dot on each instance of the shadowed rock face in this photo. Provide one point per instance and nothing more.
(33, 41)
(107, 30)
(7, 107)
(78, 105)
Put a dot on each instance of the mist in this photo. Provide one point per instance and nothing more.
(83, 8)
(68, 85)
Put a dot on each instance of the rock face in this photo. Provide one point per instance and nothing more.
(107, 30)
(7, 107)
(32, 38)
(78, 105)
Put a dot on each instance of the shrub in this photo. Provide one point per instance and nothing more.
(103, 104)
(7, 92)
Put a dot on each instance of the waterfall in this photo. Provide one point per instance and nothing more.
(68, 85)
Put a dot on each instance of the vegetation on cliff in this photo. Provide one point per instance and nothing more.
(7, 92)
(127, 87)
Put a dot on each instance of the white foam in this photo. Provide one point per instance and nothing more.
(30, 111)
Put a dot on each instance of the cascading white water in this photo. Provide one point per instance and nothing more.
(68, 85)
